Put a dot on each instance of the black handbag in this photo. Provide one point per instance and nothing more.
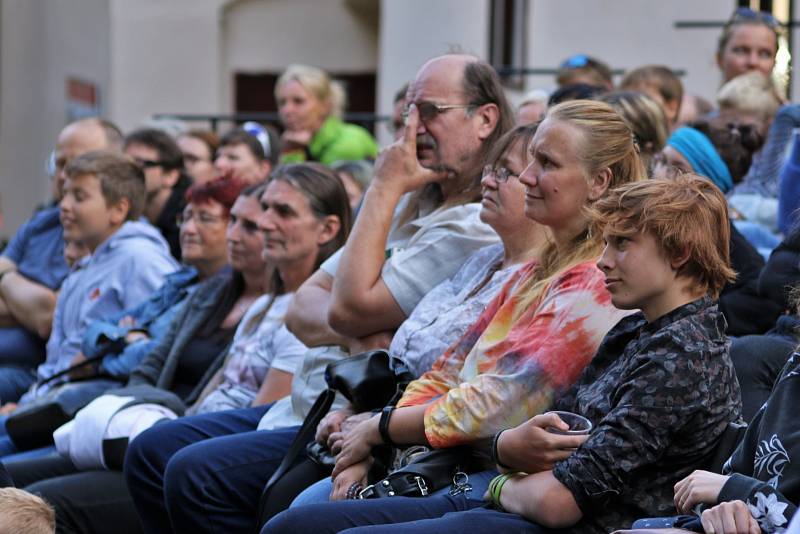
(369, 380)
(31, 426)
(427, 473)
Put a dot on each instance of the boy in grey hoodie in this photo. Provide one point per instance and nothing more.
(103, 200)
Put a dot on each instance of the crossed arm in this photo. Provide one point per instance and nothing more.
(24, 302)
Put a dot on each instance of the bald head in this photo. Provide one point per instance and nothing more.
(80, 137)
(471, 113)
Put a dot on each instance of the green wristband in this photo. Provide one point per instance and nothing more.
(496, 487)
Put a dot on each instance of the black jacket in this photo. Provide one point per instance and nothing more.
(746, 311)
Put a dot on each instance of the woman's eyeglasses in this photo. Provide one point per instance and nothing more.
(201, 218)
(500, 174)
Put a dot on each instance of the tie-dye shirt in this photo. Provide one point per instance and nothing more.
(503, 372)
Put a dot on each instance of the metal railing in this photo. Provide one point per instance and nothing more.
(361, 118)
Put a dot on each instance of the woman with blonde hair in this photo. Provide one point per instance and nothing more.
(310, 106)
(749, 42)
(532, 341)
(645, 117)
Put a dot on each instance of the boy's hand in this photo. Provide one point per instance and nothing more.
(699, 487)
(127, 322)
(531, 448)
(80, 372)
(8, 408)
(729, 518)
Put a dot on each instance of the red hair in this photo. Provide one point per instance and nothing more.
(223, 190)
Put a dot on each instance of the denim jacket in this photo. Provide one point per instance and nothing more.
(151, 317)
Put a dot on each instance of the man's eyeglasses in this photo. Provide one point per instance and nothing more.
(201, 218)
(429, 111)
(500, 174)
(745, 14)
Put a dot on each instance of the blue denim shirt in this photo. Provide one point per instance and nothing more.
(151, 317)
(120, 274)
(38, 251)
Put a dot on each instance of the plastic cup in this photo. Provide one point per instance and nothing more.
(578, 424)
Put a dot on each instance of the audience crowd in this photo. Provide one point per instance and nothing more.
(593, 295)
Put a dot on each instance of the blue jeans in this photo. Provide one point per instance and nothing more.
(14, 382)
(204, 473)
(320, 491)
(21, 348)
(443, 514)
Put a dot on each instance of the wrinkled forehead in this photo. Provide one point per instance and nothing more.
(437, 81)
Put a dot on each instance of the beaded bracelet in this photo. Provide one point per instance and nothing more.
(353, 491)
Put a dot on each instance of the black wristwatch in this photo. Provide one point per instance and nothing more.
(383, 425)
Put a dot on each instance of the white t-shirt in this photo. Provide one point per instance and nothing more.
(261, 343)
(420, 254)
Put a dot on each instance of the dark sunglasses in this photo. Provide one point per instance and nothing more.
(148, 163)
(429, 111)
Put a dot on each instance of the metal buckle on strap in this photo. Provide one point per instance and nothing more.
(423, 487)
(367, 492)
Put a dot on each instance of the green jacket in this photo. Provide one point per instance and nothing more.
(335, 141)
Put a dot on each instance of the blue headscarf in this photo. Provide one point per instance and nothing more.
(698, 150)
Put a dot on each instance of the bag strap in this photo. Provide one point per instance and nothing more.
(88, 361)
(404, 378)
(320, 408)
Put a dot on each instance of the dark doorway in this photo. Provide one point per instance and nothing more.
(255, 93)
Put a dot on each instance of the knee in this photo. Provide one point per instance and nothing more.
(287, 521)
(141, 453)
(185, 474)
(147, 456)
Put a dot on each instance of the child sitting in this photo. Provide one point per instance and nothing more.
(103, 200)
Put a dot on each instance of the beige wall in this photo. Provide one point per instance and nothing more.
(166, 58)
(413, 31)
(42, 43)
(633, 32)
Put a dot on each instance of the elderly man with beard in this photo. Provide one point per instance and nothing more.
(418, 224)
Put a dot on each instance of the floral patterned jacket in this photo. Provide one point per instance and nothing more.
(761, 470)
(659, 395)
